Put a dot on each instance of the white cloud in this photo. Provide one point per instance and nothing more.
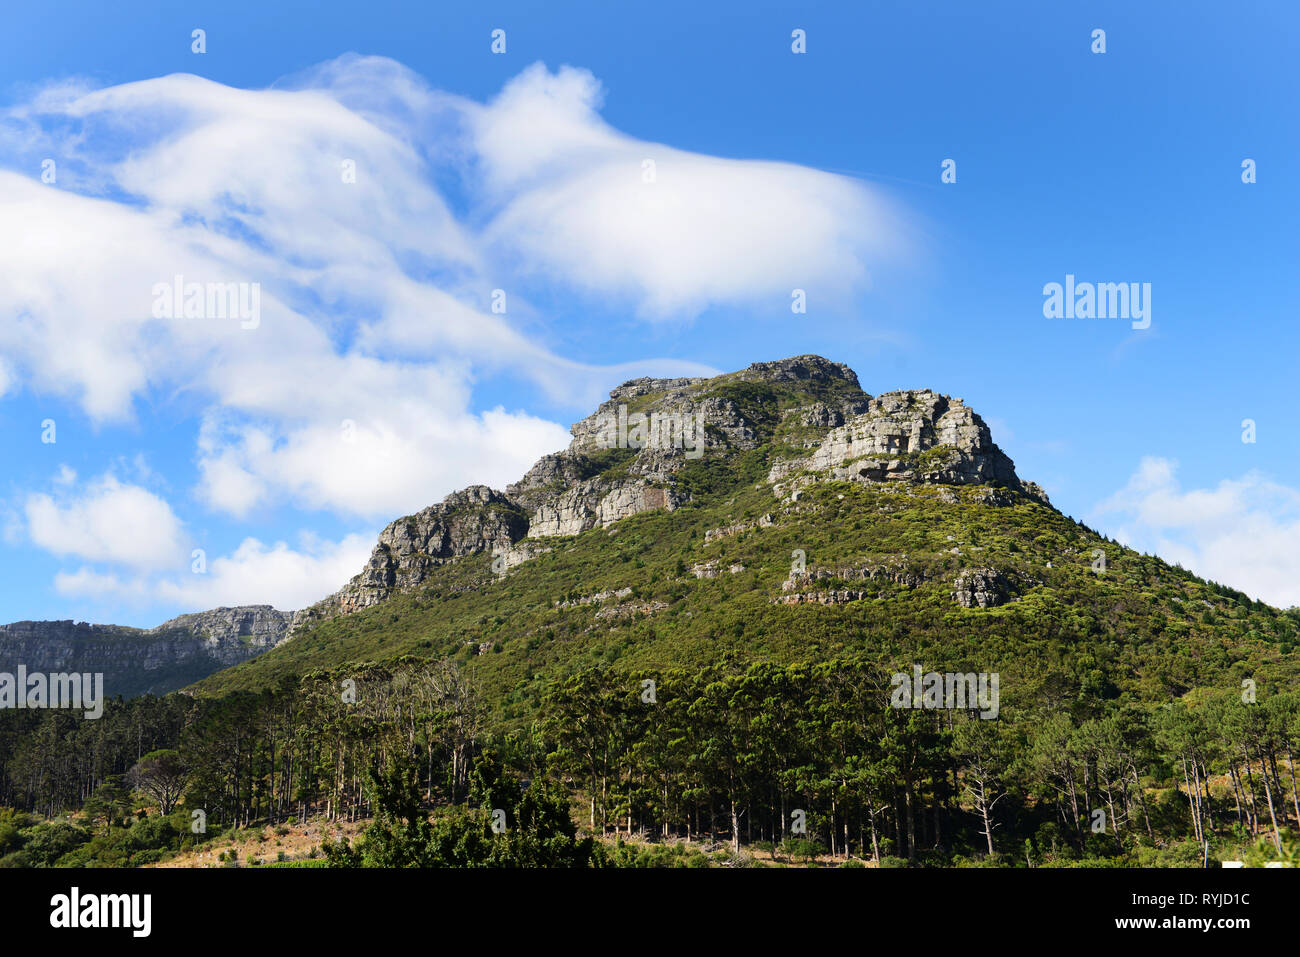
(253, 574)
(386, 462)
(107, 522)
(1244, 533)
(576, 205)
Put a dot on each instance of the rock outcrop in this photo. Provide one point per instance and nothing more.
(842, 596)
(476, 519)
(910, 436)
(625, 456)
(598, 502)
(981, 588)
(897, 571)
(716, 534)
(227, 632)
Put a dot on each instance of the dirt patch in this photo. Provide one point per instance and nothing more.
(266, 844)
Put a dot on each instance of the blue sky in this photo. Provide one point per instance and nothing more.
(378, 378)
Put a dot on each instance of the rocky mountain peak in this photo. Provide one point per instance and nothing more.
(628, 456)
(472, 520)
(806, 368)
(256, 626)
(635, 388)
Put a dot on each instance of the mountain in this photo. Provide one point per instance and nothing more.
(777, 513)
(138, 661)
(843, 434)
(692, 624)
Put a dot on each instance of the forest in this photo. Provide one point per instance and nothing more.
(753, 761)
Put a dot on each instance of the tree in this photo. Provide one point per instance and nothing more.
(162, 775)
(981, 752)
(111, 801)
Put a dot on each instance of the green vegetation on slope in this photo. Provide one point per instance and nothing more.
(1140, 630)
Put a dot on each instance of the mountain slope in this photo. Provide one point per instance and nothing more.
(809, 520)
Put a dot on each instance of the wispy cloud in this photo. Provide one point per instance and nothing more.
(670, 231)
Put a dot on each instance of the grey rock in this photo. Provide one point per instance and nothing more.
(595, 599)
(705, 570)
(630, 608)
(911, 436)
(896, 570)
(830, 597)
(981, 588)
(476, 519)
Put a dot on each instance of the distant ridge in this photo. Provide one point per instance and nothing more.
(138, 661)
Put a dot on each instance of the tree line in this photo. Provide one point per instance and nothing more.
(760, 755)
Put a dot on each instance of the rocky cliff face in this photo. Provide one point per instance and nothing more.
(477, 519)
(229, 634)
(627, 457)
(909, 436)
(155, 660)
